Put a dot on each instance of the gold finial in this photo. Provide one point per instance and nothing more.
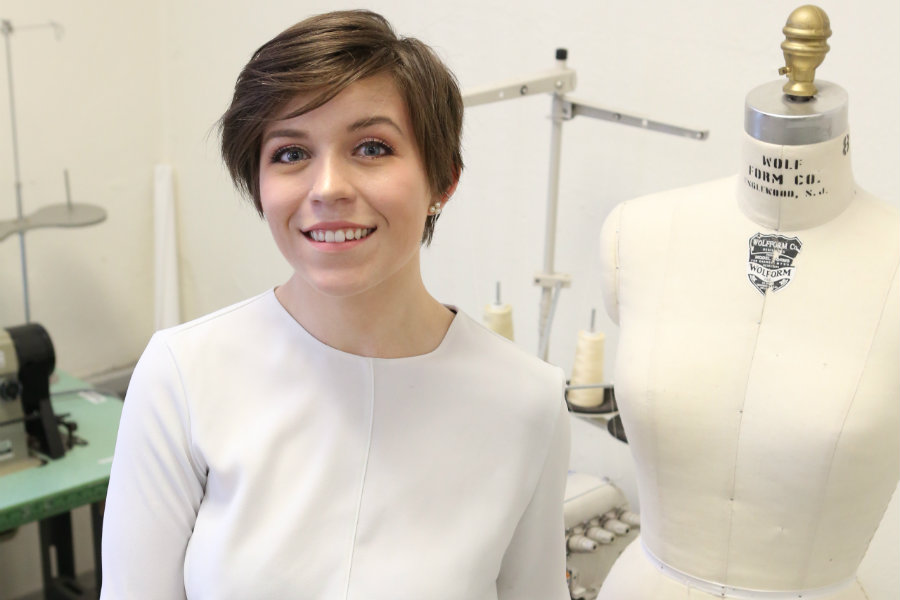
(804, 49)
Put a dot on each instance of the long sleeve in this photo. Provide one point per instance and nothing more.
(534, 565)
(155, 486)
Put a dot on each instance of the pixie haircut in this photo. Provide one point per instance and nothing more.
(323, 55)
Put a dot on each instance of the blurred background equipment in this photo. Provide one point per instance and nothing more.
(599, 526)
(56, 215)
(558, 81)
(29, 429)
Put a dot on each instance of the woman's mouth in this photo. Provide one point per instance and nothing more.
(337, 236)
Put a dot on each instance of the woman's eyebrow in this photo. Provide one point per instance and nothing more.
(356, 125)
(287, 133)
(374, 120)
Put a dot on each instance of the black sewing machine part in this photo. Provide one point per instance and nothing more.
(34, 351)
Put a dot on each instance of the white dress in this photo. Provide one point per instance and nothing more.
(253, 461)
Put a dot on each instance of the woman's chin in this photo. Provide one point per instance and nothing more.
(332, 286)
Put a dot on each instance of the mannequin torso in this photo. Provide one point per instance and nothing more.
(756, 372)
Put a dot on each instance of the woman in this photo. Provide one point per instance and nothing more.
(345, 435)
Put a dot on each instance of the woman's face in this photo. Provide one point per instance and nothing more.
(344, 190)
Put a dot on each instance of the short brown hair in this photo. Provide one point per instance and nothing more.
(322, 56)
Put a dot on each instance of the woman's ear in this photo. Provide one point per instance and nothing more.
(450, 190)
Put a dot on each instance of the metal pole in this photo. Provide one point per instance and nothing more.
(550, 222)
(68, 189)
(6, 29)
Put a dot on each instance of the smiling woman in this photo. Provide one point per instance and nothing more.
(376, 416)
(350, 164)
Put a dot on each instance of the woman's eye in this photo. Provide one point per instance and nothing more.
(289, 155)
(373, 149)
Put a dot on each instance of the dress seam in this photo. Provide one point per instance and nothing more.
(176, 330)
(885, 304)
(732, 499)
(189, 430)
(362, 481)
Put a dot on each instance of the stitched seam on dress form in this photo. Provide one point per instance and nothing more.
(651, 365)
(709, 588)
(362, 481)
(616, 259)
(737, 443)
(862, 588)
(837, 439)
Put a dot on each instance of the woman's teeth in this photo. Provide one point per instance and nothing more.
(338, 235)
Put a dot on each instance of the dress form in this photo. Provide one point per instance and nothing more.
(756, 370)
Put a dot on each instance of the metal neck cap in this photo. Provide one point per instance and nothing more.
(773, 117)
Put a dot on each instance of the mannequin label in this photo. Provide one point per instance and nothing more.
(771, 261)
(784, 178)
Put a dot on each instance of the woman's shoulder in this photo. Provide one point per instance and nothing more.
(234, 323)
(508, 364)
(488, 341)
(229, 335)
(222, 346)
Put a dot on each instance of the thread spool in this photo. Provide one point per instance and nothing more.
(616, 526)
(600, 535)
(630, 518)
(498, 318)
(588, 368)
(579, 543)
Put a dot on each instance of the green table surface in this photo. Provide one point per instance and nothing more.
(78, 478)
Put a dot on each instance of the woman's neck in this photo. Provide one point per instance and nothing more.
(790, 188)
(381, 323)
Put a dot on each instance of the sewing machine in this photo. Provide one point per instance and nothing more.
(29, 429)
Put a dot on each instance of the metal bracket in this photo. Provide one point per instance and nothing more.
(555, 81)
(572, 108)
(552, 280)
(560, 81)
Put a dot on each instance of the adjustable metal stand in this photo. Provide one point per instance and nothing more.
(559, 82)
(60, 215)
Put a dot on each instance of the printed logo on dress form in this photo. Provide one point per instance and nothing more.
(771, 262)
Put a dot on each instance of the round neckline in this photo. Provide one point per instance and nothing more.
(310, 338)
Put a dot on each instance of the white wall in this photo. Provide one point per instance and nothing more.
(135, 84)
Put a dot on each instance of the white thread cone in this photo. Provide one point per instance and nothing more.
(587, 369)
(498, 318)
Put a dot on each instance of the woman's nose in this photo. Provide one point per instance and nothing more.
(332, 180)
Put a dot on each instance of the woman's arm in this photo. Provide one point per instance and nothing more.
(534, 566)
(155, 486)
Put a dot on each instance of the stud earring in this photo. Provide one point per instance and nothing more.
(434, 209)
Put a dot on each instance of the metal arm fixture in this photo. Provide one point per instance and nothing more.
(559, 82)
